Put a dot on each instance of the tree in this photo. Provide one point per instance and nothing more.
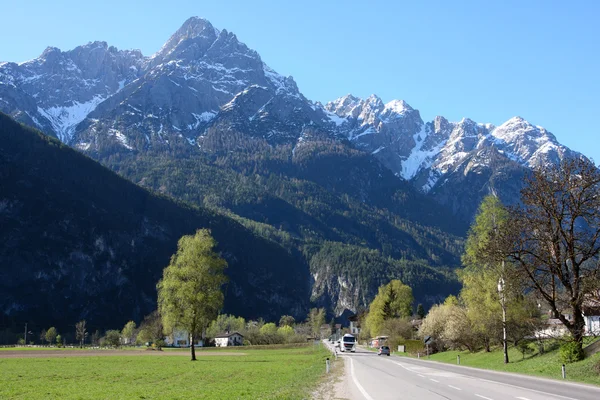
(286, 331)
(59, 340)
(96, 338)
(151, 329)
(393, 300)
(80, 332)
(316, 318)
(268, 329)
(128, 333)
(112, 338)
(189, 294)
(226, 323)
(43, 335)
(51, 335)
(287, 320)
(420, 311)
(485, 272)
(555, 237)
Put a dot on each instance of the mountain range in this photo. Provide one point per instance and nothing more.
(365, 190)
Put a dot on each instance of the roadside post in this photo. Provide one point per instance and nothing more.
(564, 371)
(458, 359)
(327, 365)
(427, 340)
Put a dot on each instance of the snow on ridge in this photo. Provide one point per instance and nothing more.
(397, 106)
(120, 138)
(336, 119)
(276, 79)
(419, 158)
(65, 119)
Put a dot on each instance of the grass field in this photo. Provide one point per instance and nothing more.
(283, 373)
(546, 365)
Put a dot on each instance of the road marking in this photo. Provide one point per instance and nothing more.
(483, 397)
(529, 390)
(422, 376)
(454, 387)
(358, 385)
(434, 380)
(522, 398)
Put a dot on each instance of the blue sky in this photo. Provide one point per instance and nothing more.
(484, 60)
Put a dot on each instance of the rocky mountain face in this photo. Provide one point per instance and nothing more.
(205, 120)
(458, 163)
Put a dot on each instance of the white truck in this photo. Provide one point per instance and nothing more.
(348, 343)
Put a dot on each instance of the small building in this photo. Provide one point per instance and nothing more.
(354, 324)
(591, 314)
(181, 338)
(229, 339)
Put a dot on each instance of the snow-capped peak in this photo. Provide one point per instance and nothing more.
(398, 106)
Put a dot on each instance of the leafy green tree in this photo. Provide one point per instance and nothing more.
(128, 332)
(486, 270)
(268, 329)
(285, 331)
(393, 300)
(287, 320)
(226, 323)
(59, 340)
(51, 334)
(190, 292)
(151, 329)
(316, 319)
(112, 338)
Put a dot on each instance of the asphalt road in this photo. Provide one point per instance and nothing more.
(375, 377)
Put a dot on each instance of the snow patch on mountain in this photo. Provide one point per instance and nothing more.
(419, 158)
(65, 119)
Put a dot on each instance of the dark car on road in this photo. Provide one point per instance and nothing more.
(383, 351)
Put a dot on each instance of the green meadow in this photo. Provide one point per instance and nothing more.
(280, 373)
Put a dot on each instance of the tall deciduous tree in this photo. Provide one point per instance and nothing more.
(393, 300)
(51, 334)
(128, 333)
(190, 292)
(287, 320)
(555, 236)
(486, 277)
(316, 319)
(80, 332)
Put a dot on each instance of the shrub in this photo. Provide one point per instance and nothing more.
(524, 347)
(597, 367)
(571, 352)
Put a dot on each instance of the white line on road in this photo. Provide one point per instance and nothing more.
(434, 380)
(454, 387)
(529, 390)
(358, 385)
(422, 376)
(483, 397)
(522, 398)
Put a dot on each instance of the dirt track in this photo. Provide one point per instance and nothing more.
(101, 353)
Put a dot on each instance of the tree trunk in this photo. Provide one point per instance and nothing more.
(578, 327)
(504, 338)
(192, 348)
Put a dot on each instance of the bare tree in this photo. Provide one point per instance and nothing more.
(80, 332)
(555, 237)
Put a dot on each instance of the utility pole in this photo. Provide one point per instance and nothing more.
(25, 333)
(501, 291)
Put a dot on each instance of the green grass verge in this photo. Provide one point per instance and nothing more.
(545, 365)
(290, 373)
